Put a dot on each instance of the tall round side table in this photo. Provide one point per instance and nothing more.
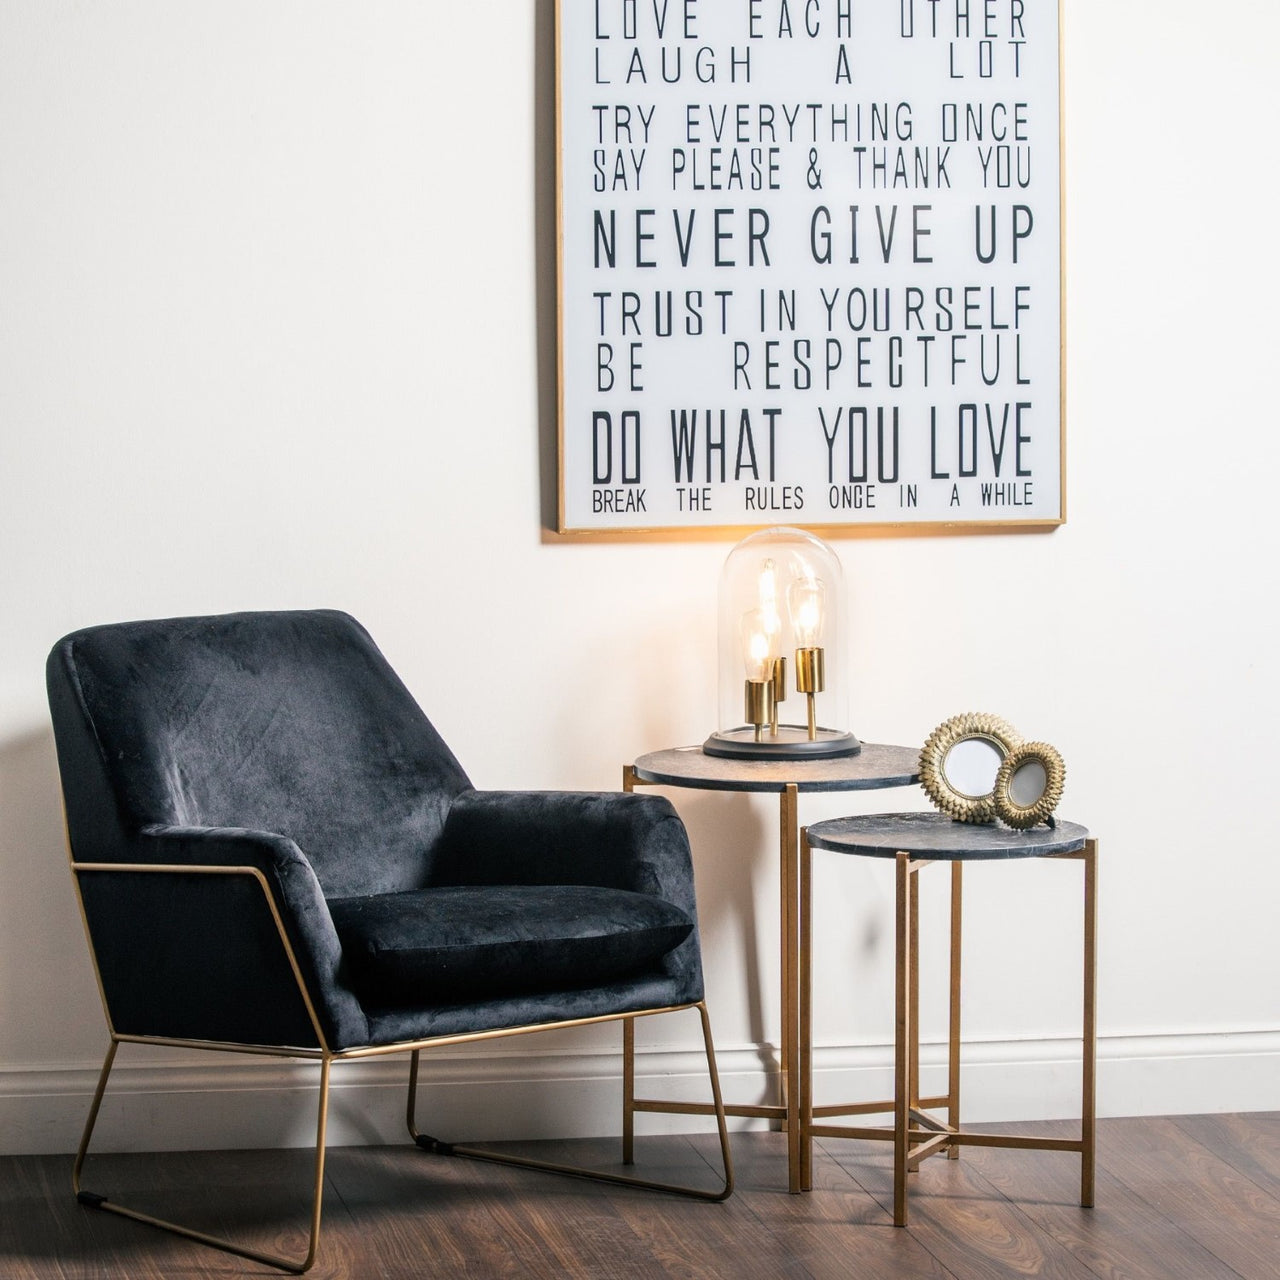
(875, 766)
(914, 841)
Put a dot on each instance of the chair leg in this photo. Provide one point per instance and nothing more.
(96, 1201)
(428, 1143)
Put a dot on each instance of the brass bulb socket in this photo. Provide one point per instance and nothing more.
(779, 679)
(811, 670)
(758, 704)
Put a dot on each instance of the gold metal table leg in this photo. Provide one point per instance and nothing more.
(789, 855)
(629, 1091)
(629, 781)
(953, 1021)
(913, 973)
(1088, 1109)
(806, 1014)
(904, 946)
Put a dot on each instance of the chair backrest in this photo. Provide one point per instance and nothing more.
(288, 722)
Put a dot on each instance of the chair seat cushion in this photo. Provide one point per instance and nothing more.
(457, 943)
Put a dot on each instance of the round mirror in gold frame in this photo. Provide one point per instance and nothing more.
(960, 761)
(1029, 785)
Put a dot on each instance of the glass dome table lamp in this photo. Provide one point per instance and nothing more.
(780, 647)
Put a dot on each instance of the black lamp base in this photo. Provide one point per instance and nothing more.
(791, 742)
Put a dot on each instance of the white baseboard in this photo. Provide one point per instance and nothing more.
(211, 1100)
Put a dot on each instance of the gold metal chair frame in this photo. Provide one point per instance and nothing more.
(915, 1134)
(327, 1057)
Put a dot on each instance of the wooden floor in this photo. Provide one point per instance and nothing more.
(1187, 1198)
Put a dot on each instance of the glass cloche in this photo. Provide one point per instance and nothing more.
(782, 675)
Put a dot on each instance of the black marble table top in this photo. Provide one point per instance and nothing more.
(875, 766)
(938, 837)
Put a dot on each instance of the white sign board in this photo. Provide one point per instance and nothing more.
(810, 263)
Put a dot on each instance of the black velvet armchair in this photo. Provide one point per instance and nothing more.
(276, 852)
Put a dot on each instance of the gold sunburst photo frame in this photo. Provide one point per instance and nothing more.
(960, 761)
(1029, 785)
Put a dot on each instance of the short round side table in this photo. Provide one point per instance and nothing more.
(877, 765)
(914, 841)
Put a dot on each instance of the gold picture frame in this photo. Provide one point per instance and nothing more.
(961, 760)
(712, 377)
(1029, 785)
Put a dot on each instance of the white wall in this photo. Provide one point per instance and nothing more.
(276, 330)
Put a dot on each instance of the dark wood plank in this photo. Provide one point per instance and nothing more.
(471, 1217)
(686, 1239)
(258, 1199)
(836, 1231)
(244, 1195)
(1122, 1237)
(38, 1218)
(1249, 1143)
(961, 1218)
(1225, 1211)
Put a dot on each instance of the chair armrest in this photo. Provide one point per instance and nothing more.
(297, 897)
(289, 875)
(611, 839)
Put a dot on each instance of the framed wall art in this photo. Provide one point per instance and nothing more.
(810, 264)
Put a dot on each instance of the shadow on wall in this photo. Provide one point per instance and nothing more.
(732, 851)
(733, 864)
(733, 836)
(50, 1013)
